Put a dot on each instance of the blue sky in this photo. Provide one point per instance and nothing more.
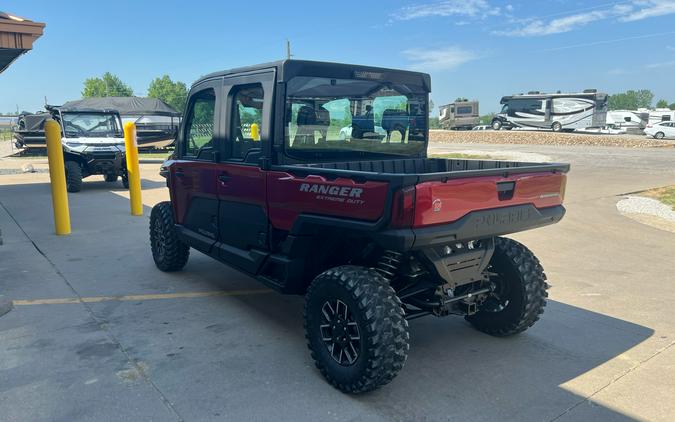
(480, 49)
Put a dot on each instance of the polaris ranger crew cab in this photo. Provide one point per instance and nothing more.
(368, 228)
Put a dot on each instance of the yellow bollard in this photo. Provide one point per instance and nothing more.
(133, 172)
(255, 132)
(57, 176)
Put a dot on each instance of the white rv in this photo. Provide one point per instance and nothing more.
(629, 121)
(553, 111)
(660, 115)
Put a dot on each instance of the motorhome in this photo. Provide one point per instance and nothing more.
(628, 121)
(559, 111)
(660, 115)
(459, 115)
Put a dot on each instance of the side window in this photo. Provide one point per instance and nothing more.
(246, 120)
(199, 124)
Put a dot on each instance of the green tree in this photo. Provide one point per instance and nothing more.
(631, 100)
(672, 106)
(434, 123)
(172, 93)
(487, 119)
(662, 104)
(108, 85)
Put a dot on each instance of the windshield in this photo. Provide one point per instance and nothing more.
(347, 115)
(83, 125)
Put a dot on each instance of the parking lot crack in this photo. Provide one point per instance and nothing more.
(614, 381)
(101, 323)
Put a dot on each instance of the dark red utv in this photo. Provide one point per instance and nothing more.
(314, 178)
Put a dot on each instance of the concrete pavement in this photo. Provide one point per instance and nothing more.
(211, 344)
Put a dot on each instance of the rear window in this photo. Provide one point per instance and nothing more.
(349, 115)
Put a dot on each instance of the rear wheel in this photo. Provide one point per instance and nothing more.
(168, 252)
(73, 176)
(355, 328)
(659, 135)
(496, 124)
(556, 126)
(519, 294)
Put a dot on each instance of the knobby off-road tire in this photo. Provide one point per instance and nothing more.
(169, 253)
(380, 339)
(520, 291)
(73, 176)
(110, 177)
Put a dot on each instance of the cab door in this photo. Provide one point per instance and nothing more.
(242, 185)
(193, 177)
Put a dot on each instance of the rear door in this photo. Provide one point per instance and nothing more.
(193, 175)
(241, 183)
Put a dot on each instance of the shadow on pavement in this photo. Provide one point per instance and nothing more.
(247, 353)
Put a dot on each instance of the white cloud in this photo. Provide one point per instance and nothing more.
(649, 9)
(556, 26)
(466, 8)
(660, 65)
(624, 12)
(438, 59)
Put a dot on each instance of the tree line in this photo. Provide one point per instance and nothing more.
(632, 100)
(162, 88)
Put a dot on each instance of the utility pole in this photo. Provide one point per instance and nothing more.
(288, 49)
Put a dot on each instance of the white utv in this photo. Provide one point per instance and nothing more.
(93, 143)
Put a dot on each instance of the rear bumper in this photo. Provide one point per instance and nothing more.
(475, 225)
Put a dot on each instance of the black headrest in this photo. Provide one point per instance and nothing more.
(306, 116)
(322, 117)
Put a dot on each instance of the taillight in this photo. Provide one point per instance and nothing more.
(403, 208)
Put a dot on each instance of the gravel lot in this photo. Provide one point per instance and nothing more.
(545, 138)
(642, 205)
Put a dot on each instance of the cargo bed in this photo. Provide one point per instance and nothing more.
(427, 169)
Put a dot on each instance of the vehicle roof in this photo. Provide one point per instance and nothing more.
(558, 95)
(131, 106)
(460, 102)
(287, 69)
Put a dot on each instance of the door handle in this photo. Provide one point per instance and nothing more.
(224, 178)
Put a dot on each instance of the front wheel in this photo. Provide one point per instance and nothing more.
(519, 291)
(73, 176)
(168, 252)
(355, 328)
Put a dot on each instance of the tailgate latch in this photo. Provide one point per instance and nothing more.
(505, 190)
